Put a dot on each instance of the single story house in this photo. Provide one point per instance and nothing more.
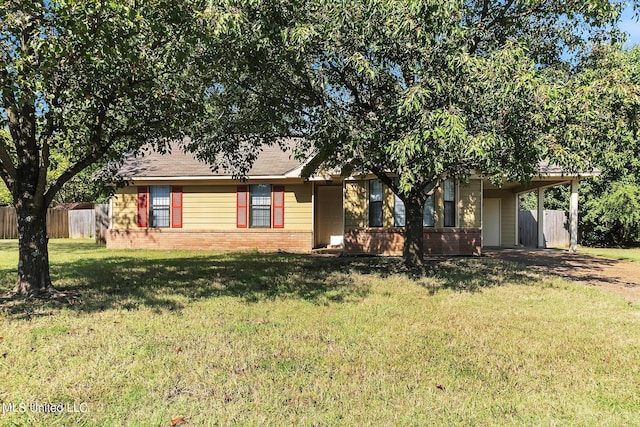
(174, 201)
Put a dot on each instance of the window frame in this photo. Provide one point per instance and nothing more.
(376, 221)
(146, 207)
(449, 215)
(164, 207)
(262, 207)
(398, 205)
(430, 200)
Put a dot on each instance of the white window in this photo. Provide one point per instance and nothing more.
(399, 214)
(375, 203)
(160, 205)
(449, 203)
(428, 219)
(260, 197)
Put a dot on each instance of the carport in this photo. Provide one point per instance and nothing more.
(500, 218)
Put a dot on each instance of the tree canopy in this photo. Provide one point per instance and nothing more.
(602, 112)
(84, 82)
(604, 102)
(412, 89)
(611, 78)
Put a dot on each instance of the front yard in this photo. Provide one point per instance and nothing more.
(630, 254)
(278, 339)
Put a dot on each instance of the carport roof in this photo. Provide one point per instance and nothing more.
(549, 175)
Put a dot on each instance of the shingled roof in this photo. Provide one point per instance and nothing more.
(272, 161)
(550, 169)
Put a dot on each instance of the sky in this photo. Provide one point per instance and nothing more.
(631, 25)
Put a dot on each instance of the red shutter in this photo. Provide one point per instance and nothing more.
(242, 198)
(143, 201)
(176, 207)
(278, 206)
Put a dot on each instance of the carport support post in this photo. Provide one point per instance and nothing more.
(573, 216)
(541, 218)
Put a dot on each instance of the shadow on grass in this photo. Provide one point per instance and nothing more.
(473, 275)
(169, 283)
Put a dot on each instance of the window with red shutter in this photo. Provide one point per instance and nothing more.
(242, 196)
(278, 206)
(176, 207)
(143, 213)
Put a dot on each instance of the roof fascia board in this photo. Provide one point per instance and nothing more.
(205, 178)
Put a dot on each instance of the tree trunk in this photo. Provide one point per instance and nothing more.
(33, 258)
(413, 250)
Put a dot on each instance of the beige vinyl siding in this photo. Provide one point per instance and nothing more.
(355, 204)
(125, 209)
(507, 215)
(209, 207)
(387, 207)
(509, 219)
(213, 207)
(298, 207)
(470, 204)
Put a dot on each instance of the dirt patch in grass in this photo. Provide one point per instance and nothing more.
(619, 277)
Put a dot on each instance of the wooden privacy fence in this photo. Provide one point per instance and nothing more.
(556, 228)
(101, 222)
(74, 224)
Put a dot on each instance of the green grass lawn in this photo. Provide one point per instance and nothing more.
(277, 339)
(630, 254)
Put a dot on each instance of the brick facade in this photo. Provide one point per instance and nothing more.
(380, 241)
(389, 241)
(269, 240)
(453, 241)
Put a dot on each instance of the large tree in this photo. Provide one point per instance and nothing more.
(610, 79)
(88, 81)
(602, 111)
(420, 90)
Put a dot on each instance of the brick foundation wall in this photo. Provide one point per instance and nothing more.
(264, 240)
(380, 241)
(389, 241)
(453, 241)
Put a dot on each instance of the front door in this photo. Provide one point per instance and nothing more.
(329, 215)
(491, 222)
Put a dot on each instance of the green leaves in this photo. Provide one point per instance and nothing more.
(102, 78)
(617, 212)
(410, 88)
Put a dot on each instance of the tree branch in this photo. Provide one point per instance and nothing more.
(354, 90)
(50, 127)
(483, 15)
(386, 180)
(42, 171)
(485, 10)
(70, 173)
(98, 150)
(8, 169)
(8, 179)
